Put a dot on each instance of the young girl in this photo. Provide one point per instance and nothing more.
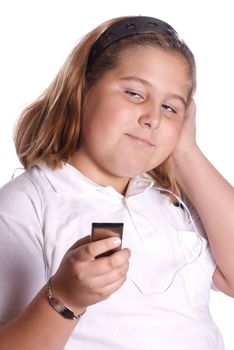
(113, 140)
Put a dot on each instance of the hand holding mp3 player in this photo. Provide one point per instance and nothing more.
(102, 230)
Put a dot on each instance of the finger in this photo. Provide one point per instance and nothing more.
(191, 109)
(91, 250)
(105, 292)
(80, 242)
(92, 270)
(113, 261)
(111, 277)
(102, 266)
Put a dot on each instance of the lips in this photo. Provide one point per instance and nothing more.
(141, 140)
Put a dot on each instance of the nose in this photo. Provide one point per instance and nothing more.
(151, 118)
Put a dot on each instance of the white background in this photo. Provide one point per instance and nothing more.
(36, 37)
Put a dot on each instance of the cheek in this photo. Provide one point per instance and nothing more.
(172, 134)
(169, 138)
(105, 123)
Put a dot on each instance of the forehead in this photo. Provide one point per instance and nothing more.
(151, 56)
(156, 65)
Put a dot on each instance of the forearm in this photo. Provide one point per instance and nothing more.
(39, 327)
(213, 198)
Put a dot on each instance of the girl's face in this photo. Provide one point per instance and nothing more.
(133, 116)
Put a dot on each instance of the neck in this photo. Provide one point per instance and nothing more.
(99, 176)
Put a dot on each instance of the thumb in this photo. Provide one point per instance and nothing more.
(80, 242)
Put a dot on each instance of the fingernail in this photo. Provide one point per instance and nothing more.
(116, 240)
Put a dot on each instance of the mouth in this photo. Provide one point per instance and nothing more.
(141, 140)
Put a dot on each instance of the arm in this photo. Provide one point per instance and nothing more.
(212, 196)
(38, 327)
(23, 268)
(90, 281)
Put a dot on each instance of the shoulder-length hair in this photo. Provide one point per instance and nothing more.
(48, 130)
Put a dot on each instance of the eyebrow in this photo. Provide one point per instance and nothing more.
(139, 80)
(145, 82)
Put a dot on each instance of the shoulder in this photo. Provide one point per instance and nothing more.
(21, 194)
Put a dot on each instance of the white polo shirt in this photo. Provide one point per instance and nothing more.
(164, 304)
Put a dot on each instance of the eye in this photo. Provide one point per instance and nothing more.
(134, 95)
(169, 108)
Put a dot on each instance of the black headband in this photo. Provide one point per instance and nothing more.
(127, 27)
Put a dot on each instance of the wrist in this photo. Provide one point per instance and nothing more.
(58, 304)
(181, 156)
(185, 165)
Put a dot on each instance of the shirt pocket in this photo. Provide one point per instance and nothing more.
(153, 272)
(198, 271)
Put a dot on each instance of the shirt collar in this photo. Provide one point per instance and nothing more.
(68, 180)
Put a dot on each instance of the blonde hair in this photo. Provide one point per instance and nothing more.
(48, 130)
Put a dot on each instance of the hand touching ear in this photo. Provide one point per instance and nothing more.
(187, 138)
(186, 144)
